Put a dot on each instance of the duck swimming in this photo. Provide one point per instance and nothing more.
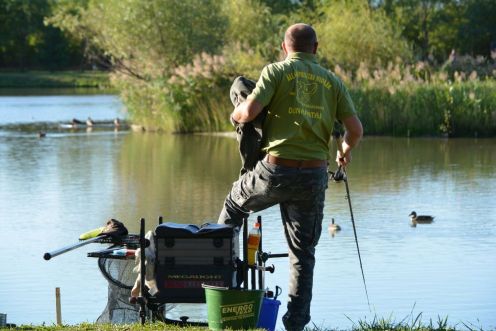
(89, 122)
(421, 219)
(333, 227)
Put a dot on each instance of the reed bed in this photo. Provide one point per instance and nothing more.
(397, 99)
(417, 100)
(465, 109)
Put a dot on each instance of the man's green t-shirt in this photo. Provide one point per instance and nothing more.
(303, 100)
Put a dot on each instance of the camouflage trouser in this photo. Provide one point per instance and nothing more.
(300, 194)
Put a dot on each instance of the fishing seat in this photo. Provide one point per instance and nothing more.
(188, 256)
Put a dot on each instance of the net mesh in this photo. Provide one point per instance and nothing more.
(120, 275)
(121, 278)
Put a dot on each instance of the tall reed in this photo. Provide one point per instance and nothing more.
(416, 100)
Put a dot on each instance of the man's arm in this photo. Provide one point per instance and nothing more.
(352, 136)
(246, 111)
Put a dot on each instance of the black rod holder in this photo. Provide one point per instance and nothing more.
(245, 254)
(142, 298)
(266, 256)
(259, 260)
(253, 278)
(263, 268)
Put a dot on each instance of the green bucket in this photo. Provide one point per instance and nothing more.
(234, 309)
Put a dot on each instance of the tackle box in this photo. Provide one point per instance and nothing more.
(188, 256)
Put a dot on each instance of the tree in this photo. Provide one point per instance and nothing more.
(418, 18)
(21, 23)
(26, 42)
(351, 33)
(436, 27)
(147, 39)
(478, 30)
(257, 29)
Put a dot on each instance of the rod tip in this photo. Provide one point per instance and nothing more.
(47, 256)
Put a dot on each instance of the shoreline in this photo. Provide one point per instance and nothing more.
(40, 79)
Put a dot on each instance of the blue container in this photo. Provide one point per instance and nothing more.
(268, 314)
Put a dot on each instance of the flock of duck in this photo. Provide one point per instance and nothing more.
(415, 219)
(88, 124)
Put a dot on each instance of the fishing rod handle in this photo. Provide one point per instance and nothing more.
(47, 256)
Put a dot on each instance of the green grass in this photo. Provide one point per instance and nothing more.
(55, 79)
(409, 323)
(108, 327)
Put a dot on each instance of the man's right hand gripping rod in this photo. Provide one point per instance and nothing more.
(340, 174)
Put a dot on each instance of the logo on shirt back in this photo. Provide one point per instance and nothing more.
(305, 91)
(307, 85)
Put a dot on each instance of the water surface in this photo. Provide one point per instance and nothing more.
(55, 188)
(43, 106)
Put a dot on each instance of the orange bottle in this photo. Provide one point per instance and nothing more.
(253, 242)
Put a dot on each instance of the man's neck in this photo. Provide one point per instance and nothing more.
(299, 54)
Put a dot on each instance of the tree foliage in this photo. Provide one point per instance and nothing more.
(436, 27)
(26, 42)
(351, 33)
(30, 31)
(147, 39)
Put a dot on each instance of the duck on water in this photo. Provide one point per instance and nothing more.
(89, 123)
(420, 219)
(333, 228)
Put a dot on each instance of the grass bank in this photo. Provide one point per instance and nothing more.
(409, 323)
(55, 79)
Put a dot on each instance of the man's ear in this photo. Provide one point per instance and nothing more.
(283, 46)
(315, 46)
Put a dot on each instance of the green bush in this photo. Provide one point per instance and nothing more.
(192, 98)
(351, 33)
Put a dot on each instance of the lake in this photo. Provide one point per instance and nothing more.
(55, 188)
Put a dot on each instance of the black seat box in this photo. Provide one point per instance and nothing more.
(188, 256)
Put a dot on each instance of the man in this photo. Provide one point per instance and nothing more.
(303, 101)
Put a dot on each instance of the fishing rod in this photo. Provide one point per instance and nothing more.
(340, 175)
(48, 255)
(113, 230)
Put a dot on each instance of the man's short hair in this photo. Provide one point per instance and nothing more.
(300, 38)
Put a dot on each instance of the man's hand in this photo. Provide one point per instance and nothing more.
(343, 159)
(231, 119)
